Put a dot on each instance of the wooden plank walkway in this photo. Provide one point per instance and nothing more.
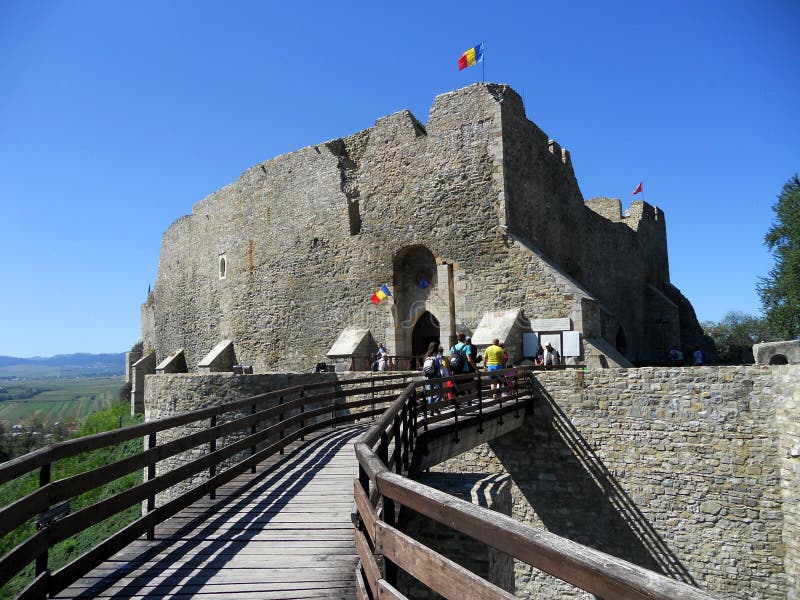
(284, 532)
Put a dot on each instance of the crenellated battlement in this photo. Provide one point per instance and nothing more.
(559, 152)
(637, 213)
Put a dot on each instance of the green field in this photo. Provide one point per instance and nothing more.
(57, 400)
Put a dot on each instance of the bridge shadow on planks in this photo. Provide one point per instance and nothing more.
(576, 496)
(243, 513)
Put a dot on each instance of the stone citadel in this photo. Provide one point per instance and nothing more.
(478, 203)
(690, 471)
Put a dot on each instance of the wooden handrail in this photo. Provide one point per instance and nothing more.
(15, 467)
(591, 570)
(299, 414)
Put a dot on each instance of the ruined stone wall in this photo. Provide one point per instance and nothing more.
(614, 256)
(307, 237)
(688, 471)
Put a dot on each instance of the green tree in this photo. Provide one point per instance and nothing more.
(737, 331)
(780, 290)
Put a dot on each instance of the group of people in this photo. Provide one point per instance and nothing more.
(676, 357)
(463, 358)
(547, 356)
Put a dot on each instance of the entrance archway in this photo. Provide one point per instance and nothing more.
(426, 330)
(621, 343)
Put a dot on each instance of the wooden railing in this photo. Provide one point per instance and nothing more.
(234, 437)
(386, 456)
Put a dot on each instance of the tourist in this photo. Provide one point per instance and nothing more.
(494, 356)
(445, 371)
(455, 354)
(471, 355)
(551, 356)
(432, 369)
(698, 358)
(538, 360)
(673, 355)
(383, 358)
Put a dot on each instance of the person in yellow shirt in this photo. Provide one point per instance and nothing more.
(493, 359)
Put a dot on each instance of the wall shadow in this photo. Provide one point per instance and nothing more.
(575, 495)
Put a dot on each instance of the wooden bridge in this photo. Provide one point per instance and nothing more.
(298, 493)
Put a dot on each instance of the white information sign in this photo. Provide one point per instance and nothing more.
(572, 343)
(551, 324)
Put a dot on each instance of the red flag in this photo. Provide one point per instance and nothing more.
(638, 189)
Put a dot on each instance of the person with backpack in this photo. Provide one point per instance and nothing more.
(456, 360)
(471, 358)
(432, 369)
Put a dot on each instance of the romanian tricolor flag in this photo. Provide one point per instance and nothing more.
(471, 57)
(380, 294)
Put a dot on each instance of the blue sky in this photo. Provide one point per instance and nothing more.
(116, 117)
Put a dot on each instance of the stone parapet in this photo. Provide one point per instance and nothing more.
(690, 471)
(144, 366)
(781, 353)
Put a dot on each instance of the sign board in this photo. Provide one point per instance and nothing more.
(572, 343)
(564, 324)
(530, 343)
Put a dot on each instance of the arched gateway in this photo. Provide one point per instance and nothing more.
(419, 303)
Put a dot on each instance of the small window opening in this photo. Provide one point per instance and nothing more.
(223, 267)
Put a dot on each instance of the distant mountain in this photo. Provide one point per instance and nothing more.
(63, 365)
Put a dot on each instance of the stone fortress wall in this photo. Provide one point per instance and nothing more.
(693, 472)
(478, 202)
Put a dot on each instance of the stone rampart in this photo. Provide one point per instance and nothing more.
(300, 242)
(693, 472)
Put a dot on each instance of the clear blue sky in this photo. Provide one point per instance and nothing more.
(115, 117)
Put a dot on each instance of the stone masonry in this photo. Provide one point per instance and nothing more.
(478, 202)
(693, 472)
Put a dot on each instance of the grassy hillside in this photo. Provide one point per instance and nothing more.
(57, 400)
(103, 420)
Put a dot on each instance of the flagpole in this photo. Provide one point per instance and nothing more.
(483, 63)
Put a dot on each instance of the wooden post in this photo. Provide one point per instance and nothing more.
(412, 422)
(280, 420)
(383, 448)
(480, 401)
(151, 474)
(252, 432)
(455, 415)
(398, 445)
(41, 559)
(302, 410)
(212, 446)
(405, 436)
